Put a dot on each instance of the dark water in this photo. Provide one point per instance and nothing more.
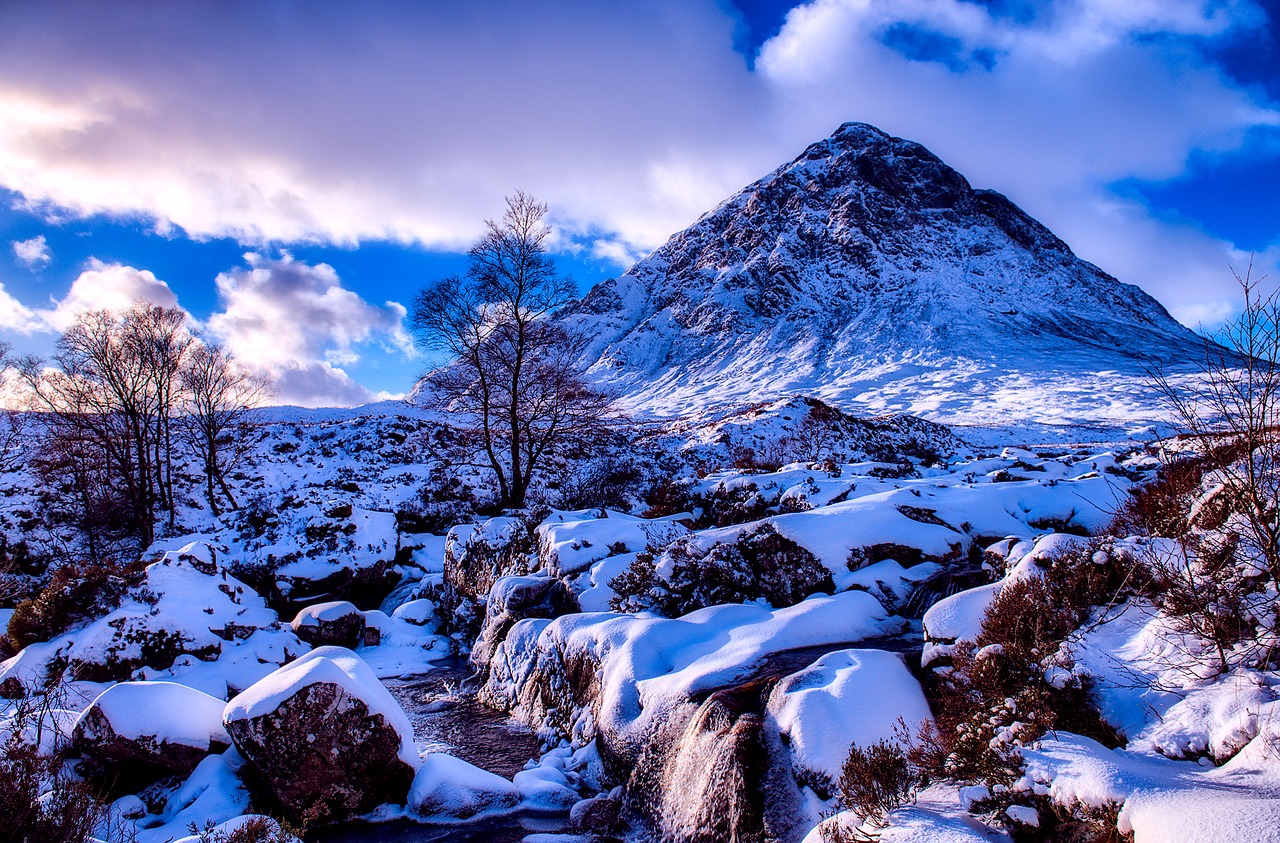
(447, 717)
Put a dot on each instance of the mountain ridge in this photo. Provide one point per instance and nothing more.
(869, 273)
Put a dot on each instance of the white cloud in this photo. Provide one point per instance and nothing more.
(107, 286)
(34, 253)
(297, 323)
(15, 316)
(336, 122)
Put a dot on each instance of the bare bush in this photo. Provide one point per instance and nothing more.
(876, 780)
(39, 801)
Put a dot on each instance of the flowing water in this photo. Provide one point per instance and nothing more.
(713, 773)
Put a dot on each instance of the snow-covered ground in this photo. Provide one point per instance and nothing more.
(648, 703)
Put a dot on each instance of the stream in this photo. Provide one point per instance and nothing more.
(447, 717)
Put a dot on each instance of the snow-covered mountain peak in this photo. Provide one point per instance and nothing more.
(868, 272)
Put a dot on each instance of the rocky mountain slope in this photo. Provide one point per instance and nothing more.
(869, 273)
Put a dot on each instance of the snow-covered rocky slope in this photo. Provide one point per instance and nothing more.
(870, 274)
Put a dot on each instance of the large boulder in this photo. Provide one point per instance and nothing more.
(336, 623)
(324, 737)
(137, 732)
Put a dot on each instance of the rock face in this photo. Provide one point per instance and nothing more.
(513, 599)
(324, 737)
(139, 731)
(337, 623)
(865, 262)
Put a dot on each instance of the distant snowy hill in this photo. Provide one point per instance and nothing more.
(869, 273)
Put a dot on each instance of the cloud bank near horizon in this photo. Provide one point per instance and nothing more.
(335, 123)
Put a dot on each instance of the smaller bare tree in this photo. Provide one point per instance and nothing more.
(219, 393)
(1232, 410)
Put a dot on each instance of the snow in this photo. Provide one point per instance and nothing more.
(1161, 799)
(406, 646)
(845, 698)
(212, 793)
(959, 617)
(165, 711)
(446, 788)
(333, 665)
(934, 818)
(570, 542)
(188, 597)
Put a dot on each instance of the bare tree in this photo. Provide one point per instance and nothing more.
(513, 370)
(219, 394)
(1227, 519)
(1232, 409)
(12, 420)
(107, 408)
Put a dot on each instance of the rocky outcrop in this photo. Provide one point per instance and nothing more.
(136, 732)
(475, 557)
(336, 623)
(323, 737)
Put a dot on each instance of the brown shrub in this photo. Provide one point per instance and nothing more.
(74, 592)
(877, 780)
(996, 698)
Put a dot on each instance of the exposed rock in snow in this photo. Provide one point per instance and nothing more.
(335, 623)
(513, 599)
(141, 730)
(324, 735)
(188, 621)
(571, 542)
(867, 272)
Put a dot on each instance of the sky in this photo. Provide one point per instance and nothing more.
(291, 173)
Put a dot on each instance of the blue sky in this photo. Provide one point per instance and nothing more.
(291, 173)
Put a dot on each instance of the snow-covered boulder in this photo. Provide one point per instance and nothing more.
(325, 736)
(846, 698)
(141, 730)
(336, 623)
(418, 612)
(571, 542)
(475, 555)
(956, 618)
(449, 788)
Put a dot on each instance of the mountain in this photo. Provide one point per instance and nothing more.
(869, 273)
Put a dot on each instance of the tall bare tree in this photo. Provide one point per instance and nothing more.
(513, 370)
(219, 394)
